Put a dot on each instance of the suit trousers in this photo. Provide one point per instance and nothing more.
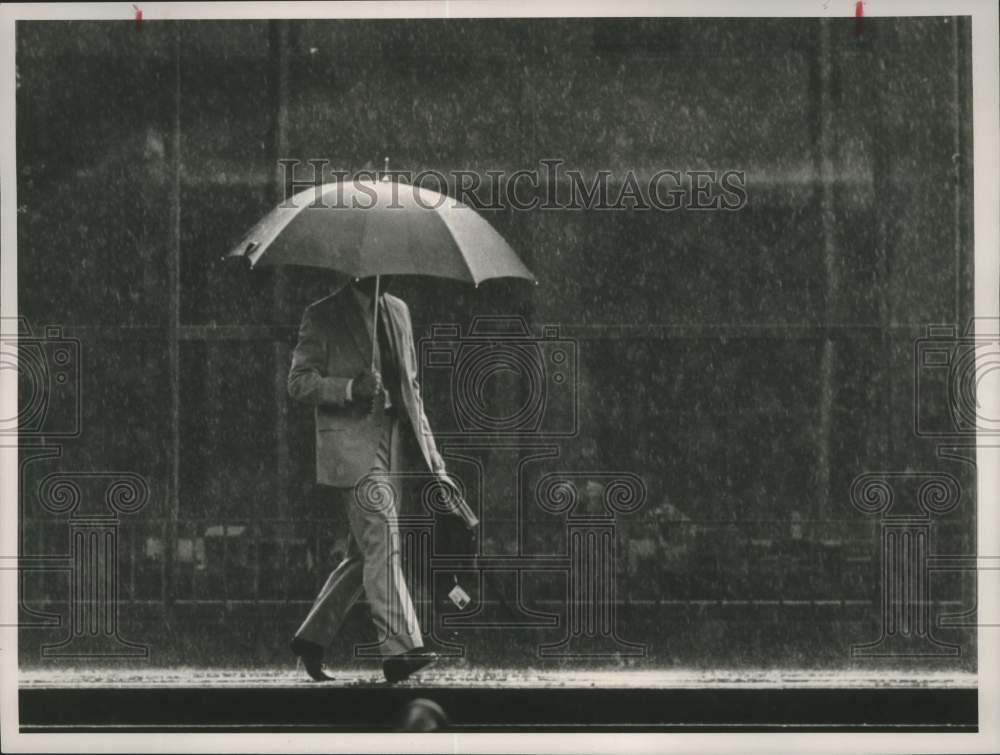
(372, 562)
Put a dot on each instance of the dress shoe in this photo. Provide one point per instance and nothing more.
(312, 658)
(399, 667)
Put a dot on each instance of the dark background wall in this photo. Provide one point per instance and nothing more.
(747, 365)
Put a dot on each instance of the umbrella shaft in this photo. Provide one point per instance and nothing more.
(375, 321)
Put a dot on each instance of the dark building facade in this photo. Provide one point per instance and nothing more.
(745, 366)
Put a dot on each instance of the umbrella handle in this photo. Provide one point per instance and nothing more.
(375, 322)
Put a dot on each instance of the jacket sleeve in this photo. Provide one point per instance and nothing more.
(425, 426)
(307, 381)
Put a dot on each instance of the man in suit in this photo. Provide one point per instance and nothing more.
(364, 422)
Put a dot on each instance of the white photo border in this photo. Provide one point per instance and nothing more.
(986, 133)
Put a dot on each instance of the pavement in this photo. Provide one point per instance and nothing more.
(441, 676)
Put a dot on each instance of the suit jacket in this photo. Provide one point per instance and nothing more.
(335, 345)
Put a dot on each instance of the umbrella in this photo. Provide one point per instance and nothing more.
(374, 228)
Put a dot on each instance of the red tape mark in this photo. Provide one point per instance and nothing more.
(138, 17)
(859, 17)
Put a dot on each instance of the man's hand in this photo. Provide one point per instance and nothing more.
(365, 388)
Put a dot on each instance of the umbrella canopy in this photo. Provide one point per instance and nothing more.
(368, 228)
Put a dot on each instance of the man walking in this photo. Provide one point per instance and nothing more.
(364, 421)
